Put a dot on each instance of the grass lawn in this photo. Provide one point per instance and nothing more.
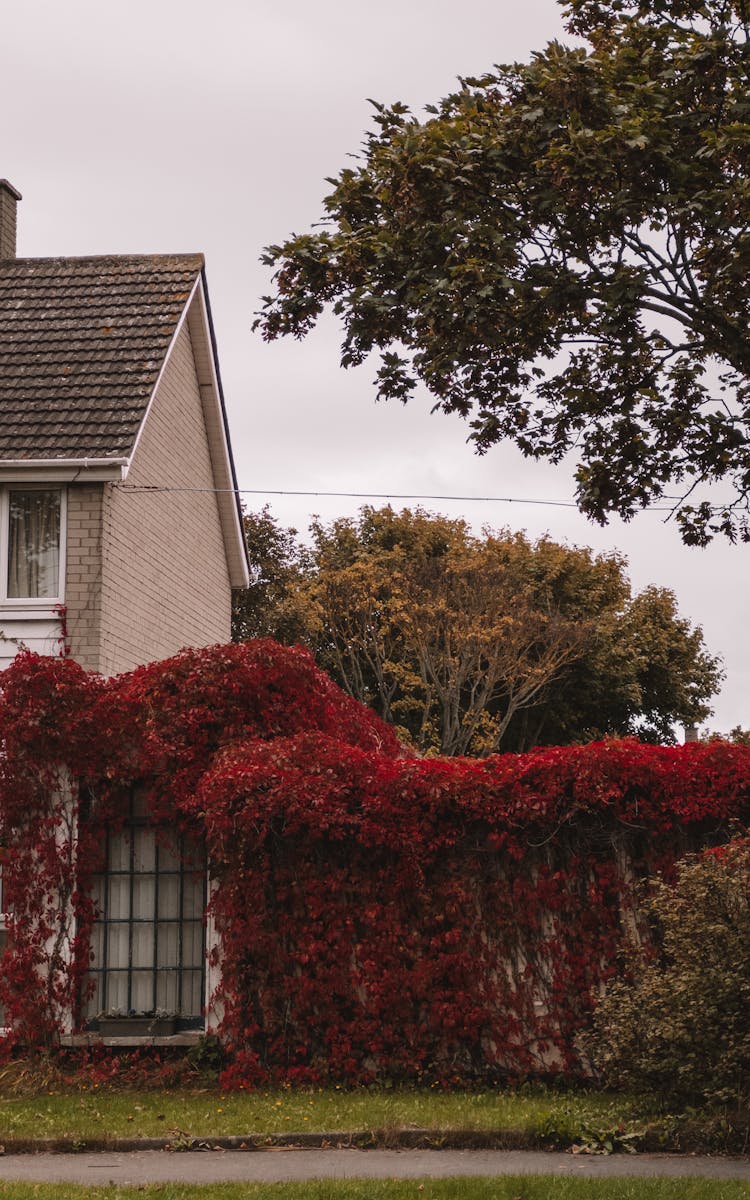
(537, 1187)
(97, 1113)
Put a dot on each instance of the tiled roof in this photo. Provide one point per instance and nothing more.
(82, 341)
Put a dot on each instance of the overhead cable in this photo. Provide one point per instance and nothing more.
(154, 487)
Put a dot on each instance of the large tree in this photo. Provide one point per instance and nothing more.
(473, 644)
(440, 632)
(560, 251)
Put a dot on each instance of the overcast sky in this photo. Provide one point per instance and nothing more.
(172, 125)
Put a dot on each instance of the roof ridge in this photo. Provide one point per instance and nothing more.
(192, 257)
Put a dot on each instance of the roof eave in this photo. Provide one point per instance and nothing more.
(62, 470)
(217, 429)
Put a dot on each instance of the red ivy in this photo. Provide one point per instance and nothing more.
(379, 914)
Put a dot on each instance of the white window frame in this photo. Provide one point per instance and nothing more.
(31, 605)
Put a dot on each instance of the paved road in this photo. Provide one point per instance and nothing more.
(272, 1166)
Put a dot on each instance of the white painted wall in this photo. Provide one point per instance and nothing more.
(41, 634)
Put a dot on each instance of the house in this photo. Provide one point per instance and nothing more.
(120, 537)
(120, 528)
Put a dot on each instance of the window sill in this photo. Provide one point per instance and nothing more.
(30, 609)
(187, 1037)
(136, 1026)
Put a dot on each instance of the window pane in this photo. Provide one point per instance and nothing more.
(194, 897)
(118, 948)
(167, 983)
(144, 849)
(97, 941)
(119, 898)
(144, 892)
(34, 544)
(96, 1003)
(192, 987)
(192, 943)
(143, 944)
(169, 896)
(142, 991)
(169, 945)
(119, 850)
(97, 893)
(169, 856)
(117, 992)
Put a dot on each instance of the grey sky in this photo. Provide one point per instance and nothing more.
(172, 125)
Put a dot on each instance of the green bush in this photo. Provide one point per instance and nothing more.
(679, 1024)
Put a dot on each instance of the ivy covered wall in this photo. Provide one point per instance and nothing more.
(379, 915)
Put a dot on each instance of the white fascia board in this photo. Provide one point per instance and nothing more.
(62, 470)
(199, 323)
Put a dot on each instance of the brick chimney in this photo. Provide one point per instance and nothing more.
(9, 198)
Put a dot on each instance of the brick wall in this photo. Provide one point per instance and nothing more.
(8, 200)
(165, 581)
(83, 573)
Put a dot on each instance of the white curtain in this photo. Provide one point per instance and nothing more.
(34, 543)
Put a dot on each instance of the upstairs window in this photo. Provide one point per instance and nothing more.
(31, 526)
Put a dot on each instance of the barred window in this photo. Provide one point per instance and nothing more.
(149, 938)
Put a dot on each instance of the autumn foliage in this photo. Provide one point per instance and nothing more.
(379, 915)
(678, 1023)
